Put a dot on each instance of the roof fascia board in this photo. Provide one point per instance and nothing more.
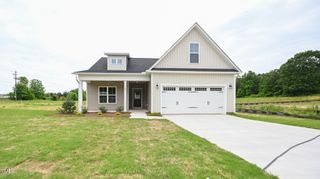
(85, 73)
(194, 72)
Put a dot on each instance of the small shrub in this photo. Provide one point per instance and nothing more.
(119, 109)
(78, 113)
(117, 113)
(103, 109)
(84, 110)
(69, 107)
(61, 111)
(99, 113)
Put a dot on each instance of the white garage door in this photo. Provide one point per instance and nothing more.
(188, 99)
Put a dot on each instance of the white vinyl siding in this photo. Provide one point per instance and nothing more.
(209, 57)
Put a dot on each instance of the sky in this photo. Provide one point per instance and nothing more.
(48, 40)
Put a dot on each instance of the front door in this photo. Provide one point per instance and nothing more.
(137, 97)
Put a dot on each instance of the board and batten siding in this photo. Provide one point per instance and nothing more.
(178, 57)
(189, 80)
(92, 98)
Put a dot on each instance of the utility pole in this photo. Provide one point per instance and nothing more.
(15, 84)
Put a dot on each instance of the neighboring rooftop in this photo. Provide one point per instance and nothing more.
(135, 65)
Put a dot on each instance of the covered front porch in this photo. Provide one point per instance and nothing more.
(113, 94)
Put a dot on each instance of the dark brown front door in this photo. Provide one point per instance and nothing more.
(137, 97)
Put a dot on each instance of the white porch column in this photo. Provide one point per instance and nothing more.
(80, 96)
(125, 96)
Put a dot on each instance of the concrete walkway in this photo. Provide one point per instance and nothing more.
(141, 114)
(260, 142)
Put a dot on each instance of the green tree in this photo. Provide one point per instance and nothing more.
(76, 92)
(248, 84)
(37, 89)
(71, 96)
(23, 80)
(23, 92)
(270, 84)
(300, 75)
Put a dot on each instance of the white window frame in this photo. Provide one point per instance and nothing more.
(107, 94)
(118, 61)
(194, 52)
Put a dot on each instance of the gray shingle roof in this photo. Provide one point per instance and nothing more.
(135, 65)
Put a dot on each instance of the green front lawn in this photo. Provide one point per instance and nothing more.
(309, 123)
(35, 145)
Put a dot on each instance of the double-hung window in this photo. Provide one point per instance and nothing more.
(194, 52)
(116, 61)
(107, 95)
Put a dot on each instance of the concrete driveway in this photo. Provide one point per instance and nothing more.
(260, 142)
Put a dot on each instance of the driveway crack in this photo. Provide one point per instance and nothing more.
(286, 151)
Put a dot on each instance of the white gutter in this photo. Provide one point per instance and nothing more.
(85, 73)
(193, 72)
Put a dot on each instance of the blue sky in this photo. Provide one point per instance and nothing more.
(48, 40)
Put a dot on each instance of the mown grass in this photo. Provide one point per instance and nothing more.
(301, 122)
(277, 99)
(36, 145)
(30, 104)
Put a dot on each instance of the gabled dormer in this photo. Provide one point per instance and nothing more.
(117, 61)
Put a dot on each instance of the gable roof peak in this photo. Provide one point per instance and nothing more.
(206, 35)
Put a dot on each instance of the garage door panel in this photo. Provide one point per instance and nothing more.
(175, 102)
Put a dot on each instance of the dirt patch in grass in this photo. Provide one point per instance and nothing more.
(37, 166)
(10, 148)
(130, 176)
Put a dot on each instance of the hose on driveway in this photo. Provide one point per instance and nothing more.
(269, 164)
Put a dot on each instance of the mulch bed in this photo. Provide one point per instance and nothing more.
(94, 114)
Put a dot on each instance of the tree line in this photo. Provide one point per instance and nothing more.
(300, 75)
(34, 89)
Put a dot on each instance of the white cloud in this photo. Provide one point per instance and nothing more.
(265, 37)
(48, 40)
